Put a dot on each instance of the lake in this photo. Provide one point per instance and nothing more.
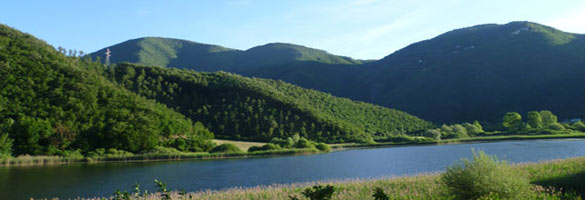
(89, 180)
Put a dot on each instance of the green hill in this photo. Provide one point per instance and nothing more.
(169, 52)
(237, 107)
(481, 72)
(54, 104)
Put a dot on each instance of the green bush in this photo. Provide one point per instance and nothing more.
(319, 192)
(266, 147)
(401, 138)
(304, 143)
(163, 150)
(226, 148)
(555, 127)
(380, 195)
(323, 147)
(5, 145)
(269, 146)
(118, 153)
(72, 154)
(579, 126)
(485, 176)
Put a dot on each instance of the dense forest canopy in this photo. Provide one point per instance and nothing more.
(237, 107)
(51, 103)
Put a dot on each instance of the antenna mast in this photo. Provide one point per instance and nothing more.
(108, 54)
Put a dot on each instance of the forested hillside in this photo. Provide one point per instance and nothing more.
(474, 73)
(170, 52)
(482, 72)
(53, 104)
(237, 107)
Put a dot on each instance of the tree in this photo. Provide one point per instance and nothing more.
(548, 117)
(30, 133)
(460, 131)
(472, 129)
(478, 125)
(5, 145)
(512, 121)
(534, 120)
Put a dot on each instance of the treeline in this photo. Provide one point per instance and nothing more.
(52, 104)
(538, 122)
(512, 123)
(235, 107)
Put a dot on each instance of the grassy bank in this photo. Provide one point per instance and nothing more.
(548, 179)
(243, 145)
(461, 140)
(515, 137)
(56, 160)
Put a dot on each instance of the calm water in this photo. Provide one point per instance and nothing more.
(88, 180)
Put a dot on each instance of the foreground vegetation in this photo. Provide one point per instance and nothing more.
(483, 177)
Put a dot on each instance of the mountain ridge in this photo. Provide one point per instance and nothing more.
(488, 57)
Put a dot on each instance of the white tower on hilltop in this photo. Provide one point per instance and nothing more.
(108, 54)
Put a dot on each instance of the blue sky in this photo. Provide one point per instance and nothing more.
(364, 29)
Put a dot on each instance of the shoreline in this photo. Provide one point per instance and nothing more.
(32, 161)
(29, 161)
(418, 186)
(471, 140)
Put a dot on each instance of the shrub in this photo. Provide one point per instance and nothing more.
(401, 138)
(226, 148)
(269, 146)
(279, 141)
(5, 145)
(117, 153)
(556, 127)
(579, 126)
(433, 133)
(72, 154)
(323, 147)
(163, 150)
(254, 148)
(485, 176)
(304, 143)
(319, 192)
(380, 195)
(266, 147)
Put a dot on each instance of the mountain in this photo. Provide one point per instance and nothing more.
(237, 107)
(481, 72)
(474, 73)
(203, 57)
(171, 52)
(52, 104)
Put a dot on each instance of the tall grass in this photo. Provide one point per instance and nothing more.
(27, 160)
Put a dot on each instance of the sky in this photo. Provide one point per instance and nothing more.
(362, 29)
